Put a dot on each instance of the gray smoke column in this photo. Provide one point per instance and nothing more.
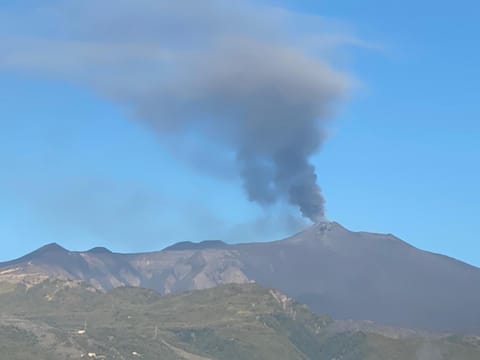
(228, 72)
(268, 104)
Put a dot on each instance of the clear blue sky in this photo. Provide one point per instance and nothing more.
(402, 156)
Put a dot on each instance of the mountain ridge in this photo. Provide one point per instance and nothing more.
(58, 319)
(350, 275)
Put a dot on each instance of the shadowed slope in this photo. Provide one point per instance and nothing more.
(350, 275)
(65, 319)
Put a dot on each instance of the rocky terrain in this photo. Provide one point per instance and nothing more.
(59, 320)
(349, 275)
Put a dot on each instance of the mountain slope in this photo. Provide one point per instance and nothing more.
(66, 319)
(369, 276)
(350, 275)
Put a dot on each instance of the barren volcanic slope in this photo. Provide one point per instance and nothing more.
(349, 275)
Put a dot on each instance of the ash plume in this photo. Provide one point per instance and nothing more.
(232, 73)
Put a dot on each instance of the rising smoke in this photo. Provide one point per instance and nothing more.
(225, 71)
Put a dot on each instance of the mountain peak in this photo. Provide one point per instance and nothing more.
(316, 230)
(325, 225)
(99, 250)
(46, 251)
(188, 245)
(50, 248)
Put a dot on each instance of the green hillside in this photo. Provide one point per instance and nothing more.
(65, 320)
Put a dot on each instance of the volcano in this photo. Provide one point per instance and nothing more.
(349, 275)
